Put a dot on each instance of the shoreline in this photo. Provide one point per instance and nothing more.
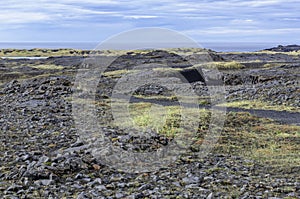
(81, 46)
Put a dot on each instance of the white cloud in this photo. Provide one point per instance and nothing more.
(98, 2)
(140, 17)
(291, 19)
(46, 11)
(22, 17)
(237, 16)
(243, 22)
(261, 3)
(135, 9)
(229, 31)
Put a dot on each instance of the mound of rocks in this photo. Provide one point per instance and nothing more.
(288, 48)
(278, 85)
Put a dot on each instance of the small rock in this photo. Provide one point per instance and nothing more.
(82, 196)
(209, 196)
(46, 182)
(96, 167)
(119, 195)
(14, 188)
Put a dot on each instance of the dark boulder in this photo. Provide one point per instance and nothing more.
(192, 75)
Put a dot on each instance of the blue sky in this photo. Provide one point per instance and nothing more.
(276, 21)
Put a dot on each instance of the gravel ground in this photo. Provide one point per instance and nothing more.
(42, 157)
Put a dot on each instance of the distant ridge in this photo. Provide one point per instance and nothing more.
(288, 48)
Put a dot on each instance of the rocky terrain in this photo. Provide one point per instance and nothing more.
(288, 48)
(42, 155)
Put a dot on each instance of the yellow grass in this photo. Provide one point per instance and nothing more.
(256, 104)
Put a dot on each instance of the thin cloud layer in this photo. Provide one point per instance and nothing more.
(95, 20)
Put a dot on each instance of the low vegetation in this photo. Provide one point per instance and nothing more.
(256, 104)
(37, 52)
(47, 67)
(262, 140)
(167, 120)
(271, 65)
(259, 139)
(221, 65)
(293, 53)
(245, 135)
(118, 73)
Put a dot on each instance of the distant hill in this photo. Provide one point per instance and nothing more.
(288, 48)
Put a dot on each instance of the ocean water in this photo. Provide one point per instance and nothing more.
(238, 47)
(48, 45)
(219, 47)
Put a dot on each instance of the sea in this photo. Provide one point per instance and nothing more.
(215, 46)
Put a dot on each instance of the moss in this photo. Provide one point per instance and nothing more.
(118, 73)
(260, 140)
(256, 104)
(294, 53)
(224, 65)
(47, 67)
(48, 163)
(164, 120)
(157, 97)
(38, 52)
(271, 65)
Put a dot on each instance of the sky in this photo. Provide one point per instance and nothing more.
(276, 21)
